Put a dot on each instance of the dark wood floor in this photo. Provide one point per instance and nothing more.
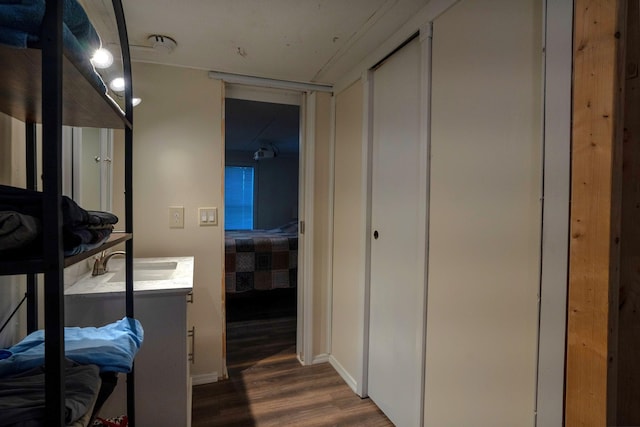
(267, 386)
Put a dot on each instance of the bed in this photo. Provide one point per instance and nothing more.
(261, 260)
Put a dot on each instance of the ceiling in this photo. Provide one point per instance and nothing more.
(250, 125)
(298, 40)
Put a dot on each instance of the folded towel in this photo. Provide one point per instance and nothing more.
(75, 17)
(112, 347)
(24, 17)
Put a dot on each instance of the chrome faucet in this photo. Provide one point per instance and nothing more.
(100, 266)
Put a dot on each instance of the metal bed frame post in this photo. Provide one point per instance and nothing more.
(32, 184)
(52, 221)
(128, 187)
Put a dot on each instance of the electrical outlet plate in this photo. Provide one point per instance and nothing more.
(207, 216)
(176, 216)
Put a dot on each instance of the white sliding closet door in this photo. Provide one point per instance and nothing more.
(397, 246)
(485, 214)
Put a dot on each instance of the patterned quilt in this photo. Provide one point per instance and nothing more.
(260, 260)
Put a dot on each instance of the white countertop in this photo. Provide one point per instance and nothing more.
(179, 282)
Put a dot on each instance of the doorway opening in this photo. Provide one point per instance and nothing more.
(262, 187)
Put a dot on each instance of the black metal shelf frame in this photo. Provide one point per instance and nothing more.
(53, 260)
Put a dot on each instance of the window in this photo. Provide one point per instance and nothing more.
(238, 197)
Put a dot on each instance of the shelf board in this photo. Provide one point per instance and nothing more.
(84, 105)
(36, 265)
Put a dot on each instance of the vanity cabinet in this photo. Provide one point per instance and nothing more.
(162, 366)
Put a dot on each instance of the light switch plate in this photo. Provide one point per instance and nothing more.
(176, 216)
(207, 216)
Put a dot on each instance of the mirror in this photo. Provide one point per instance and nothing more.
(88, 167)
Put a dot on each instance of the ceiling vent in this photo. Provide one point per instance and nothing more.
(162, 44)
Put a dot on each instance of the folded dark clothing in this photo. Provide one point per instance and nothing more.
(29, 202)
(17, 230)
(98, 218)
(82, 236)
(81, 229)
(22, 401)
(83, 247)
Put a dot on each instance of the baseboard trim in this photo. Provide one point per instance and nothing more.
(204, 378)
(321, 358)
(351, 382)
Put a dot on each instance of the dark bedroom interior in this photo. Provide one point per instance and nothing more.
(261, 218)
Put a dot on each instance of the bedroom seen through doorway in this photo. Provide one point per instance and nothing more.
(262, 145)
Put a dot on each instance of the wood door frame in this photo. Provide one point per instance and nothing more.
(558, 35)
(598, 114)
(306, 102)
(304, 328)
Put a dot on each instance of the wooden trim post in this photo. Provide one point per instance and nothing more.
(594, 254)
(628, 413)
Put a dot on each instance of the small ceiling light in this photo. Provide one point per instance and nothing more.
(102, 58)
(117, 84)
(136, 101)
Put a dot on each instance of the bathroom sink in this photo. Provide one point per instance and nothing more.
(158, 275)
(145, 271)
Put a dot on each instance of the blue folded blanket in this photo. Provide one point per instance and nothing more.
(21, 21)
(111, 347)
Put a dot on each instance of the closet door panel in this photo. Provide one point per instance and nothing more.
(397, 246)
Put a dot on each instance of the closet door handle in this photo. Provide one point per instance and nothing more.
(375, 234)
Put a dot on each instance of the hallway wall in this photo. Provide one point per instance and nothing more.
(178, 161)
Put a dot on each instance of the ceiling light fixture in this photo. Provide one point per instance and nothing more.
(117, 84)
(136, 101)
(102, 58)
(264, 153)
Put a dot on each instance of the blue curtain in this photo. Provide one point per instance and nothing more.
(238, 197)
